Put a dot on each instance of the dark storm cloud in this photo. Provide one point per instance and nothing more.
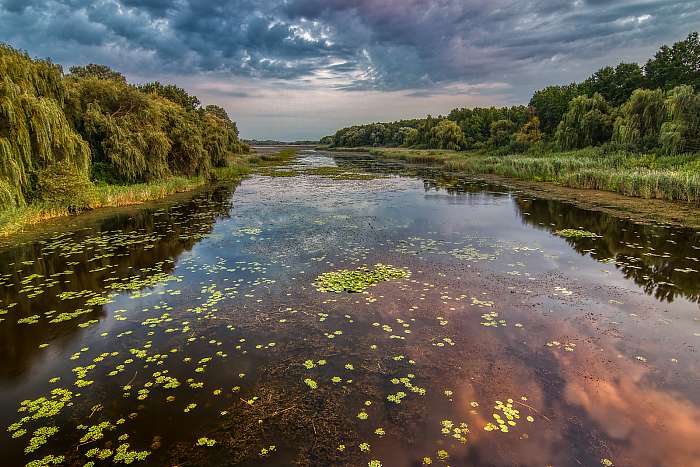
(360, 44)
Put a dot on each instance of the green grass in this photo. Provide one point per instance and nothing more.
(673, 178)
(126, 195)
(17, 219)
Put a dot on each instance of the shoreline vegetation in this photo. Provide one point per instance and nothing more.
(665, 178)
(630, 129)
(450, 165)
(15, 220)
(77, 141)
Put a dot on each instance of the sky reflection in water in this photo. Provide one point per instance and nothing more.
(595, 339)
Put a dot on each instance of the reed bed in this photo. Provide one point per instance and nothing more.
(672, 178)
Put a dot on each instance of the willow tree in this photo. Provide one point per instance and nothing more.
(123, 126)
(639, 122)
(447, 135)
(681, 133)
(586, 123)
(34, 132)
(187, 156)
(220, 136)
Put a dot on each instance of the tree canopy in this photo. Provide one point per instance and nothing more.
(172, 93)
(643, 108)
(676, 65)
(96, 71)
(60, 132)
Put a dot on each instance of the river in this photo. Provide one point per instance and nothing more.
(193, 332)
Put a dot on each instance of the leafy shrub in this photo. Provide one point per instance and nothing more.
(63, 185)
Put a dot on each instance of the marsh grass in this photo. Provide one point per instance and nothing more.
(673, 178)
(126, 195)
(15, 220)
(284, 155)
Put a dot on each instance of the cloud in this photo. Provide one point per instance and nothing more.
(365, 44)
(426, 47)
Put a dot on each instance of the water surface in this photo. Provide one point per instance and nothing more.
(190, 332)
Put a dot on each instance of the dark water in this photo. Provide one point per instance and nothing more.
(133, 335)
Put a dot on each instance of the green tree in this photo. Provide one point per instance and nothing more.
(409, 136)
(676, 65)
(587, 123)
(219, 112)
(501, 132)
(616, 85)
(35, 135)
(529, 133)
(96, 71)
(681, 133)
(640, 119)
(551, 103)
(172, 93)
(447, 135)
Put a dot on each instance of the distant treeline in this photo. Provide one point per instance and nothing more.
(61, 133)
(274, 142)
(640, 108)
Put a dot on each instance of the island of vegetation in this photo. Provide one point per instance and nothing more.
(88, 138)
(629, 129)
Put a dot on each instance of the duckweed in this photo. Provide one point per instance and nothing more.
(204, 441)
(311, 383)
(575, 233)
(358, 280)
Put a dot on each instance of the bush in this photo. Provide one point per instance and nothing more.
(63, 185)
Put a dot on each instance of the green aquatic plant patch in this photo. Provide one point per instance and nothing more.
(575, 233)
(358, 280)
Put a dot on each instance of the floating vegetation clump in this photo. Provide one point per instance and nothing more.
(339, 173)
(458, 432)
(358, 280)
(506, 416)
(575, 233)
(331, 172)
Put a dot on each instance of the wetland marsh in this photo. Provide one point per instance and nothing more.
(339, 310)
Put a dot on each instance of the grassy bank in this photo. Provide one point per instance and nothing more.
(15, 220)
(672, 178)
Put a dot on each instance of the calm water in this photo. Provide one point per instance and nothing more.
(135, 334)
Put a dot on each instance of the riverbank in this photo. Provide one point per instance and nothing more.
(537, 177)
(671, 178)
(16, 220)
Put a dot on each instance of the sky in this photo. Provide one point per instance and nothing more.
(300, 69)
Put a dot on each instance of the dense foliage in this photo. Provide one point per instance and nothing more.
(587, 123)
(655, 107)
(63, 132)
(34, 131)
